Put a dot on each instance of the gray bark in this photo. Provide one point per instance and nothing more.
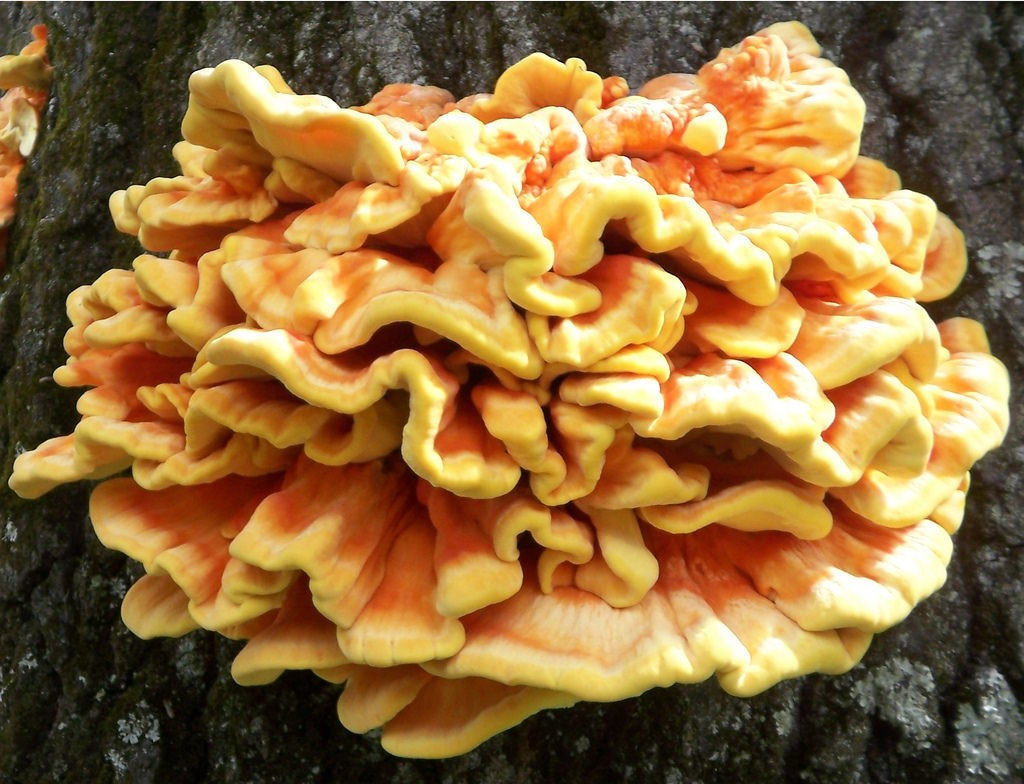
(937, 699)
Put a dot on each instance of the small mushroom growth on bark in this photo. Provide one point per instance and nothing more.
(25, 78)
(559, 393)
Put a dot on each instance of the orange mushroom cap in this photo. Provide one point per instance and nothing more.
(559, 393)
(26, 79)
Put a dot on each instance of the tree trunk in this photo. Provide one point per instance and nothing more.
(937, 699)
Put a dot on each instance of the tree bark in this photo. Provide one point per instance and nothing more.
(937, 699)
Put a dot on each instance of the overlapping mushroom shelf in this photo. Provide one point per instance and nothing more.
(25, 80)
(558, 393)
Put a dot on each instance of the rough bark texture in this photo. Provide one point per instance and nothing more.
(938, 699)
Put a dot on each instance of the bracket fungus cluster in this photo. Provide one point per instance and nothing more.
(553, 394)
(25, 78)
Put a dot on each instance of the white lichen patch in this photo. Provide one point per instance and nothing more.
(1002, 262)
(903, 694)
(114, 587)
(784, 722)
(142, 725)
(116, 760)
(130, 752)
(988, 733)
(188, 660)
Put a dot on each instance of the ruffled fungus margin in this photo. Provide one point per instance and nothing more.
(26, 79)
(560, 393)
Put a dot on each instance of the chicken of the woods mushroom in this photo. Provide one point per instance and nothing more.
(25, 80)
(559, 393)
